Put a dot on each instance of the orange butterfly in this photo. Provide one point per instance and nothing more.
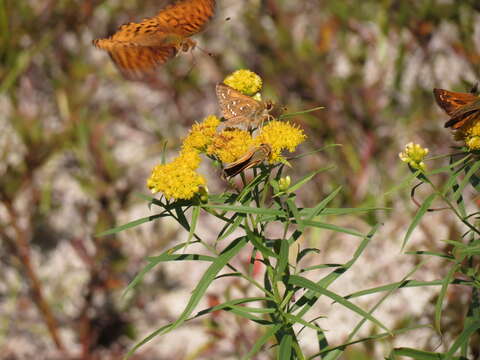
(138, 48)
(461, 107)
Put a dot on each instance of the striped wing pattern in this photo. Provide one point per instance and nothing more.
(138, 48)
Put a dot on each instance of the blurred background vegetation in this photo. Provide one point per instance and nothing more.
(77, 143)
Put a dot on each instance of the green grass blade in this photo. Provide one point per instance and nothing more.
(418, 216)
(193, 226)
(130, 225)
(285, 349)
(462, 339)
(154, 261)
(341, 229)
(313, 212)
(296, 280)
(246, 209)
(310, 297)
(269, 333)
(419, 354)
(441, 297)
(199, 290)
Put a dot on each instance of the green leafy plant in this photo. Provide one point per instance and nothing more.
(268, 199)
(451, 186)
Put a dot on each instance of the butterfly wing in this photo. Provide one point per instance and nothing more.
(451, 101)
(135, 62)
(236, 107)
(186, 17)
(252, 158)
(138, 48)
(460, 106)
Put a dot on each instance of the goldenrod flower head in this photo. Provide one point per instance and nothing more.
(284, 183)
(470, 133)
(201, 135)
(280, 135)
(413, 155)
(177, 179)
(245, 81)
(189, 158)
(230, 144)
(473, 143)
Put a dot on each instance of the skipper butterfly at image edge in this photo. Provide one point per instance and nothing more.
(137, 49)
(461, 107)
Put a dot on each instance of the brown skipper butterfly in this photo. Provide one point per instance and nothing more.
(252, 157)
(461, 107)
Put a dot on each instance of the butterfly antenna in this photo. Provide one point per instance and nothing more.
(205, 51)
(194, 62)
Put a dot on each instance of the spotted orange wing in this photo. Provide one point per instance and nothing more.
(461, 107)
(138, 48)
(186, 17)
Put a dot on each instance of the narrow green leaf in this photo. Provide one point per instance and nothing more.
(307, 178)
(404, 284)
(441, 296)
(340, 348)
(246, 209)
(285, 349)
(154, 261)
(466, 180)
(131, 224)
(259, 244)
(296, 214)
(310, 297)
(462, 339)
(231, 226)
(310, 285)
(418, 216)
(229, 304)
(197, 294)
(269, 333)
(193, 226)
(282, 260)
(322, 225)
(294, 319)
(305, 252)
(419, 354)
(313, 212)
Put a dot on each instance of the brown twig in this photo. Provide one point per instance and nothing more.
(23, 250)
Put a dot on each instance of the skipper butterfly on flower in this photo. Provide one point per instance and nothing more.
(240, 109)
(252, 158)
(461, 107)
(138, 48)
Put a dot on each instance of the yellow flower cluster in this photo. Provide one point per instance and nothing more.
(177, 179)
(413, 155)
(245, 81)
(201, 135)
(470, 133)
(280, 135)
(230, 144)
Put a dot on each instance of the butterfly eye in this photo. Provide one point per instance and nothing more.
(269, 105)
